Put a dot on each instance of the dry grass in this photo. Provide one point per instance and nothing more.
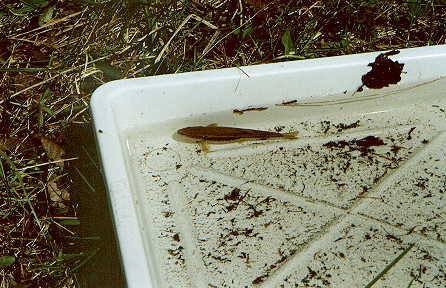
(55, 53)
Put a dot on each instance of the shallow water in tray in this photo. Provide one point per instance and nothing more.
(365, 178)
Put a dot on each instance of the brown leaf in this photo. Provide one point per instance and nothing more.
(257, 3)
(57, 194)
(8, 143)
(53, 150)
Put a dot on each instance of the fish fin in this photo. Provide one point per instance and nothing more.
(204, 146)
(212, 125)
(291, 135)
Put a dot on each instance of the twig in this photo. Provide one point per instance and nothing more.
(191, 16)
(48, 163)
(54, 77)
(63, 227)
(211, 42)
(224, 37)
(50, 23)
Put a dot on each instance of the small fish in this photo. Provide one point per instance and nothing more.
(213, 134)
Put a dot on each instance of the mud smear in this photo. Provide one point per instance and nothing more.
(236, 111)
(287, 103)
(363, 145)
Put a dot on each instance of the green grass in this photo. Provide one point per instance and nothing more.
(53, 54)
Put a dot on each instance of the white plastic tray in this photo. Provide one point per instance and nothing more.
(318, 211)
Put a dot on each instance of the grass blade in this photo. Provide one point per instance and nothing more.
(389, 266)
(70, 222)
(19, 178)
(22, 69)
(86, 259)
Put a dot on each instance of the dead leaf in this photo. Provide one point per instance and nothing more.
(8, 143)
(259, 4)
(53, 150)
(57, 194)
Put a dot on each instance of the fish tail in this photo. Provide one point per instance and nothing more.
(291, 135)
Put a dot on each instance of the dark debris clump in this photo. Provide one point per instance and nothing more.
(363, 145)
(384, 71)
